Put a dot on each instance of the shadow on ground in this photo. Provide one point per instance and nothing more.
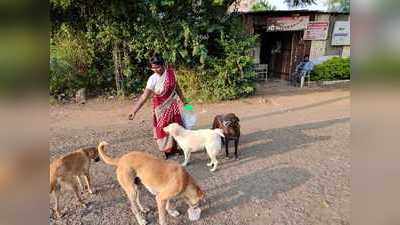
(264, 144)
(279, 112)
(260, 185)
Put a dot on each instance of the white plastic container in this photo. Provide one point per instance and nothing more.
(189, 117)
(194, 213)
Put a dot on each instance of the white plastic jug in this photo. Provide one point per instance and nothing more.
(189, 117)
(194, 213)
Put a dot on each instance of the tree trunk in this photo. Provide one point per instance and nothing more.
(118, 69)
(240, 69)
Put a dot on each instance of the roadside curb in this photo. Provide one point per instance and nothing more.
(328, 83)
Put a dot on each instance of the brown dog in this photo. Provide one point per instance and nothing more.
(229, 123)
(164, 179)
(68, 170)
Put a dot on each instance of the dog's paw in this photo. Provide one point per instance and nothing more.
(142, 221)
(58, 215)
(145, 210)
(173, 212)
(213, 169)
(209, 164)
(184, 164)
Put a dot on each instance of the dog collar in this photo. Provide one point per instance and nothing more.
(226, 123)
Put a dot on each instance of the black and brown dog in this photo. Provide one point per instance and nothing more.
(229, 123)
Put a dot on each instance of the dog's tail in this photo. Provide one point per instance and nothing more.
(107, 159)
(220, 132)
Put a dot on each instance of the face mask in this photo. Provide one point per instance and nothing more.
(194, 213)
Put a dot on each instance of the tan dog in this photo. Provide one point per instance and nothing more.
(68, 170)
(164, 179)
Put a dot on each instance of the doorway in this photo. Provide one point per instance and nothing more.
(281, 51)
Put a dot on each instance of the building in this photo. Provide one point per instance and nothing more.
(285, 37)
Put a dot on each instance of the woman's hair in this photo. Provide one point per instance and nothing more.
(156, 59)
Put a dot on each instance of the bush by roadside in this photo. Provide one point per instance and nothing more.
(335, 68)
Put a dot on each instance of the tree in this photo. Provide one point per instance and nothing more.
(122, 35)
(119, 36)
(262, 5)
(339, 5)
(298, 3)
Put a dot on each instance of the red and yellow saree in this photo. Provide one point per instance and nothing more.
(166, 110)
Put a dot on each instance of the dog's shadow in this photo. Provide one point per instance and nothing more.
(267, 143)
(260, 185)
(262, 144)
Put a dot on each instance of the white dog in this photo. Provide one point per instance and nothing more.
(196, 140)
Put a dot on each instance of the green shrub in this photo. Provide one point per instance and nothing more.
(189, 82)
(227, 71)
(335, 68)
(222, 81)
(208, 46)
(70, 59)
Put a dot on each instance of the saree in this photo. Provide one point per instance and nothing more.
(166, 110)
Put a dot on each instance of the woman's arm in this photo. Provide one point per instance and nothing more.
(138, 105)
(180, 94)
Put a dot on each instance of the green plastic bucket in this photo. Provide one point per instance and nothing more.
(188, 107)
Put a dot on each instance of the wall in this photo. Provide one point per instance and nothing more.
(336, 50)
(322, 48)
(318, 48)
(346, 51)
(313, 48)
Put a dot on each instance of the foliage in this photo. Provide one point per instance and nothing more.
(299, 3)
(339, 5)
(114, 40)
(335, 68)
(70, 59)
(262, 5)
(228, 74)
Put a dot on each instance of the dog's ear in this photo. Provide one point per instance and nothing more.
(200, 193)
(92, 152)
(175, 130)
(216, 122)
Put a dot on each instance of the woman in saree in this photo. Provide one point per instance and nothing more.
(167, 101)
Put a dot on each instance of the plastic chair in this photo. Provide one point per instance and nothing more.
(306, 75)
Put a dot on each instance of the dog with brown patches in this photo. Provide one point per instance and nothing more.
(68, 170)
(229, 123)
(164, 179)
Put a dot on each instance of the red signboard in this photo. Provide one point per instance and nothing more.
(316, 30)
(288, 23)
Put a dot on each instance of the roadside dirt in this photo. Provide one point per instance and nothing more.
(294, 165)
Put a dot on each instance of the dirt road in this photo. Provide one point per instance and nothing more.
(294, 165)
